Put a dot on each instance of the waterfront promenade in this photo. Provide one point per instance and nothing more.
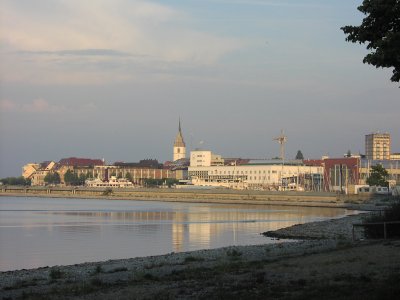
(317, 199)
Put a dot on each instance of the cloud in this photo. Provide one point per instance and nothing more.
(80, 52)
(35, 106)
(276, 3)
(73, 41)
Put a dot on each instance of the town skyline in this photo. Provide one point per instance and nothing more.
(110, 80)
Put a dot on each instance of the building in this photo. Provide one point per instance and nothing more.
(179, 145)
(339, 173)
(114, 182)
(205, 158)
(377, 146)
(395, 156)
(392, 166)
(29, 169)
(37, 177)
(136, 171)
(259, 175)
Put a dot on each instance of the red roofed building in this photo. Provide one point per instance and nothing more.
(339, 173)
(80, 162)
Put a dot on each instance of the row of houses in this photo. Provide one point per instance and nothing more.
(138, 172)
(207, 169)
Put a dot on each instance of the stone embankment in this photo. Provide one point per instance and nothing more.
(317, 199)
(335, 229)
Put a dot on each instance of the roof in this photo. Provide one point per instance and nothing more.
(275, 162)
(179, 142)
(81, 162)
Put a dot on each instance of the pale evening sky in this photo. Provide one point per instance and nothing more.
(110, 78)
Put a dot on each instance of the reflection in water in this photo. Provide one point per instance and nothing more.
(38, 231)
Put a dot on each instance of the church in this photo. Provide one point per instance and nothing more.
(179, 145)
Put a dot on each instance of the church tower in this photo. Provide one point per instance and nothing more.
(179, 145)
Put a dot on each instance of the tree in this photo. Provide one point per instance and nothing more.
(82, 179)
(380, 29)
(299, 155)
(15, 181)
(52, 178)
(128, 177)
(70, 178)
(378, 176)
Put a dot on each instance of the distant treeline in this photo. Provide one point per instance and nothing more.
(15, 181)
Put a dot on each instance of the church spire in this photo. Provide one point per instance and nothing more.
(179, 144)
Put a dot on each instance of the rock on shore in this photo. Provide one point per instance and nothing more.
(330, 229)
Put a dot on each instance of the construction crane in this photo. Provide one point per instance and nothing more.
(282, 140)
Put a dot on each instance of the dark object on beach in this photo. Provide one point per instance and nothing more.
(391, 214)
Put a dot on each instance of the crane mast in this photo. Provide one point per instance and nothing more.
(282, 139)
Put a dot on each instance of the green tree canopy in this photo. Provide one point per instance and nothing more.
(71, 178)
(52, 178)
(15, 181)
(299, 155)
(128, 176)
(378, 176)
(380, 30)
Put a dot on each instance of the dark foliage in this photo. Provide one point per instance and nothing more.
(378, 176)
(15, 181)
(71, 178)
(380, 30)
(390, 214)
(158, 182)
(52, 178)
(299, 155)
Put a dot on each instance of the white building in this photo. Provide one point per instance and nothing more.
(179, 145)
(113, 182)
(259, 175)
(205, 158)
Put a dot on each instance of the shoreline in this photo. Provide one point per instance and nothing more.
(111, 274)
(305, 199)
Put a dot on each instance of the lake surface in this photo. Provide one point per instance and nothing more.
(37, 232)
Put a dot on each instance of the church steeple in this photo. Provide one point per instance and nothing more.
(179, 144)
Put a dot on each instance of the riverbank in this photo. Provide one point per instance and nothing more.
(308, 269)
(223, 196)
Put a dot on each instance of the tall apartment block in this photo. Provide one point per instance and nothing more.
(377, 146)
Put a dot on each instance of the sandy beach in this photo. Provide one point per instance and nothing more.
(327, 261)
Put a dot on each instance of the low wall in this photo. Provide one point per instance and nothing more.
(192, 195)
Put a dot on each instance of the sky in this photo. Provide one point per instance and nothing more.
(111, 78)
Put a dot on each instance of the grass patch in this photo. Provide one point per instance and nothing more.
(56, 274)
(96, 282)
(116, 270)
(98, 270)
(189, 259)
(143, 276)
(234, 254)
(19, 284)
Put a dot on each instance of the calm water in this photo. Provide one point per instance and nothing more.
(37, 232)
